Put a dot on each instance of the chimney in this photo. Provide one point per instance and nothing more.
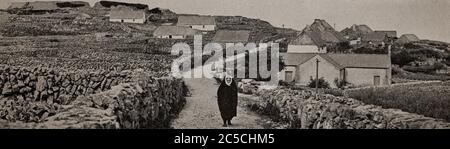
(389, 50)
(354, 27)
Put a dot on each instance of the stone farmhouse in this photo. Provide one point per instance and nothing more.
(174, 32)
(203, 23)
(355, 69)
(315, 38)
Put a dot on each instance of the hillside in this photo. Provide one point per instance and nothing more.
(109, 4)
(261, 31)
(72, 23)
(422, 60)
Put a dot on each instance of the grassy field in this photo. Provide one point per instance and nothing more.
(429, 99)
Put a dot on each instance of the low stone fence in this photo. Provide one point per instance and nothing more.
(300, 109)
(31, 94)
(130, 99)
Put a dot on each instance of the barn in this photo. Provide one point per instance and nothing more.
(203, 23)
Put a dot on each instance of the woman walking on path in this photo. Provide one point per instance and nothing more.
(227, 98)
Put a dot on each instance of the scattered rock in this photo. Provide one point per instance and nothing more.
(7, 89)
(41, 84)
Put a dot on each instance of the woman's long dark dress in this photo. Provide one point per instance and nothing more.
(227, 98)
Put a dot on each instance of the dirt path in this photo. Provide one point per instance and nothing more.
(202, 112)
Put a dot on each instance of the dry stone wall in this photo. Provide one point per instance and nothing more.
(144, 102)
(84, 52)
(60, 24)
(300, 109)
(32, 94)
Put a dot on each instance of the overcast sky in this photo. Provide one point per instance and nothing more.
(429, 19)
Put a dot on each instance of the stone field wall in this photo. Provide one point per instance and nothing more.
(47, 98)
(300, 109)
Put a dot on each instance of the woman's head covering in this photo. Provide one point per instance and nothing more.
(228, 79)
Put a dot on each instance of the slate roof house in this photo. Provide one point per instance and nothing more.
(174, 32)
(203, 23)
(356, 69)
(407, 38)
(315, 38)
(127, 15)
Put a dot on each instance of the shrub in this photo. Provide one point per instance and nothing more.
(422, 69)
(366, 50)
(340, 83)
(284, 83)
(322, 83)
(422, 76)
(402, 58)
(412, 46)
(425, 69)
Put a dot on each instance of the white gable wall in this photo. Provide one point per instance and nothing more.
(308, 69)
(171, 37)
(365, 76)
(293, 69)
(125, 20)
(203, 27)
(141, 21)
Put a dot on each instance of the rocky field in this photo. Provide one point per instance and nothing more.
(429, 99)
(75, 70)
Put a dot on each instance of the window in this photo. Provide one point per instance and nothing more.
(170, 36)
(288, 76)
(376, 80)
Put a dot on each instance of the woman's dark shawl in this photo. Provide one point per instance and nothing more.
(227, 98)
